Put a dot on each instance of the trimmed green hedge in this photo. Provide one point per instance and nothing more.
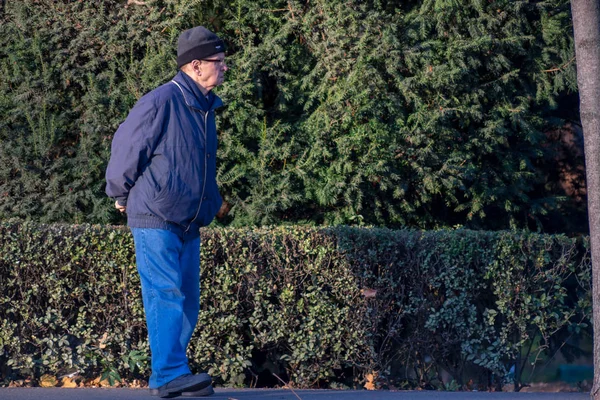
(316, 307)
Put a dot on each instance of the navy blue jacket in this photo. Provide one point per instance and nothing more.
(163, 159)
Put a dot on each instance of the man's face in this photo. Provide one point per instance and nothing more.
(212, 71)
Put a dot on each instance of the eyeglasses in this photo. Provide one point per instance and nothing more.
(216, 61)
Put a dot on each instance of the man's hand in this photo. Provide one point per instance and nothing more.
(120, 207)
(224, 210)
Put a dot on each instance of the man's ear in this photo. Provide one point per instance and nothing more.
(196, 67)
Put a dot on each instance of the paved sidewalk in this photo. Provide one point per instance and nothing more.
(277, 394)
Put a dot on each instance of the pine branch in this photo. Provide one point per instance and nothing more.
(137, 2)
(561, 67)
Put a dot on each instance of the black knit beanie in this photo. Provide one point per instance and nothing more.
(197, 43)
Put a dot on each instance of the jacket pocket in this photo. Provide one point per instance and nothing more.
(165, 193)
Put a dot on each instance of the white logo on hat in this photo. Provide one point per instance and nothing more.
(217, 47)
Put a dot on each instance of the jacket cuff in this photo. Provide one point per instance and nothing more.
(122, 202)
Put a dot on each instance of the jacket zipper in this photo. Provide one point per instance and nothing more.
(205, 115)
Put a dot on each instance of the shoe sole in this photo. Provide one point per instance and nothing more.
(207, 391)
(204, 380)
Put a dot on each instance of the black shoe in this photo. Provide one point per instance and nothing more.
(154, 392)
(185, 383)
(207, 391)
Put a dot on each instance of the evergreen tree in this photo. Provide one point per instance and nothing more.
(399, 113)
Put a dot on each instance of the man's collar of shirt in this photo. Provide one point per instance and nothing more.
(194, 97)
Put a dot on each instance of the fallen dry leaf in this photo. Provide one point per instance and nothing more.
(48, 380)
(100, 382)
(370, 385)
(136, 383)
(68, 382)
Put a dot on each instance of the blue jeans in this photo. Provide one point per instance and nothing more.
(169, 269)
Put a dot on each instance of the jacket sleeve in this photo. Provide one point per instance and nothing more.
(132, 147)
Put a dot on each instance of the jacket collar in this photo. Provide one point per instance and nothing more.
(193, 96)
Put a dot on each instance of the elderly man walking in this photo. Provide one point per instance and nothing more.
(162, 173)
